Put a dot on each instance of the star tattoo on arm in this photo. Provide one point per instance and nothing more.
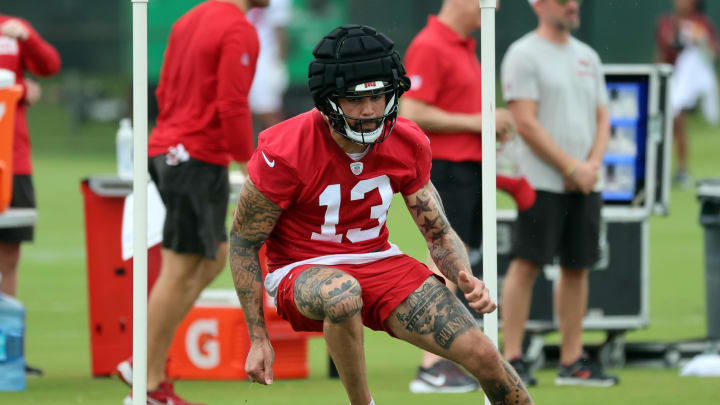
(421, 206)
(429, 224)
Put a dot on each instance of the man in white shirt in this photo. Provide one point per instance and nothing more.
(555, 89)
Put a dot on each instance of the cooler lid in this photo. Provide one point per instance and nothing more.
(110, 186)
(708, 188)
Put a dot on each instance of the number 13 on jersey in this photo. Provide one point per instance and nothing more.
(330, 197)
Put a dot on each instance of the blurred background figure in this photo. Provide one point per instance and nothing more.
(445, 101)
(22, 50)
(687, 39)
(555, 88)
(271, 76)
(203, 124)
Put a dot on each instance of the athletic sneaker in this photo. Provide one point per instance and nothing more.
(523, 369)
(124, 370)
(31, 371)
(584, 372)
(682, 179)
(443, 377)
(164, 395)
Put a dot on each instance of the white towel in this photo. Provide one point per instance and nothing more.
(694, 80)
(703, 365)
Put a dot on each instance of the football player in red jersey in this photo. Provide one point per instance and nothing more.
(320, 185)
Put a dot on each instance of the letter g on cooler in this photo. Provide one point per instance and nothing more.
(201, 343)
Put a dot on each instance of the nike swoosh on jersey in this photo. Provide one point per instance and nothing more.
(270, 163)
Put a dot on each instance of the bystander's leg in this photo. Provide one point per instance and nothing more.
(571, 297)
(515, 306)
(182, 278)
(9, 260)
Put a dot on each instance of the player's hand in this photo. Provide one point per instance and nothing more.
(259, 362)
(476, 293)
(585, 176)
(14, 28)
(33, 91)
(504, 124)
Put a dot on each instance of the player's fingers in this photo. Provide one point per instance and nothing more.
(465, 282)
(268, 371)
(484, 306)
(474, 295)
(255, 376)
(479, 298)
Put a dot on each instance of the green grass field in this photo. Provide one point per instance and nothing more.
(53, 287)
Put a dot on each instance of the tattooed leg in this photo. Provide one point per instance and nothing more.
(330, 295)
(325, 293)
(435, 320)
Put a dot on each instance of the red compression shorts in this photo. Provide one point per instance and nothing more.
(385, 285)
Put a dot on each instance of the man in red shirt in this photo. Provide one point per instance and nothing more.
(319, 188)
(22, 49)
(203, 124)
(445, 100)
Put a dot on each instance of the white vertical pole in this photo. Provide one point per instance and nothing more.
(140, 180)
(489, 231)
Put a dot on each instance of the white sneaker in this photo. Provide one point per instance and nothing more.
(124, 371)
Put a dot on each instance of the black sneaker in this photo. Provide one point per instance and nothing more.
(443, 377)
(523, 369)
(584, 372)
(31, 371)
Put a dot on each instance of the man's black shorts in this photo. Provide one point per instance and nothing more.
(566, 225)
(23, 196)
(460, 187)
(196, 196)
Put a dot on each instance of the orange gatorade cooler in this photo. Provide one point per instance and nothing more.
(212, 341)
(9, 97)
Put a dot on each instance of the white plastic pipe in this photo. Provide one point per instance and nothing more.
(140, 181)
(489, 209)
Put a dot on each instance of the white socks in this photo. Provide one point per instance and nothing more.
(372, 401)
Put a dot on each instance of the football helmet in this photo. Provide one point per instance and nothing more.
(357, 61)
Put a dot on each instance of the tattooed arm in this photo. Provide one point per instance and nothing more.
(255, 218)
(446, 249)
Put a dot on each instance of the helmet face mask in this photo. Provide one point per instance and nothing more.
(353, 127)
(351, 62)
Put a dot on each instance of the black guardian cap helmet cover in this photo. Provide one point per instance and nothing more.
(357, 61)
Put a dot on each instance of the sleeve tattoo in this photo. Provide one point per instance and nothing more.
(254, 219)
(446, 249)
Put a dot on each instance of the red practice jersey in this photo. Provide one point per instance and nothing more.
(332, 204)
(444, 72)
(38, 57)
(204, 84)
(668, 36)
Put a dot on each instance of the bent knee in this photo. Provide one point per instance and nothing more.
(342, 299)
(481, 352)
(211, 268)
